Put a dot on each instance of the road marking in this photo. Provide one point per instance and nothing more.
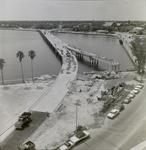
(89, 146)
(138, 108)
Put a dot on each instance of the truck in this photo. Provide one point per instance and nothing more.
(23, 121)
(27, 146)
(79, 136)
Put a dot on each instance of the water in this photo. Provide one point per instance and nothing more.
(12, 41)
(46, 61)
(106, 46)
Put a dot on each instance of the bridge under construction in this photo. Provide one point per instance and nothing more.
(94, 59)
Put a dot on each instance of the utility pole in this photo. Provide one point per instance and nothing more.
(77, 104)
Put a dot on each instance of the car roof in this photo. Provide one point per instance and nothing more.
(114, 110)
(110, 114)
(87, 133)
(74, 139)
(63, 147)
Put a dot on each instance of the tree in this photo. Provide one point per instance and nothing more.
(2, 62)
(20, 55)
(139, 50)
(31, 54)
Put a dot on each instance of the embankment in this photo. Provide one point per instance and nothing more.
(128, 47)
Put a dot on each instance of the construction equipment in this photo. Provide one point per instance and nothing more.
(23, 121)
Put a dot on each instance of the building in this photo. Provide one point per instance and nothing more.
(108, 24)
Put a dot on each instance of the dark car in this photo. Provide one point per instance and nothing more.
(68, 54)
(27, 146)
(120, 107)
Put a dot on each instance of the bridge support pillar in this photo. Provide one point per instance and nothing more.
(97, 62)
(82, 57)
(114, 66)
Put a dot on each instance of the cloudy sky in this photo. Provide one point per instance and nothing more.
(73, 10)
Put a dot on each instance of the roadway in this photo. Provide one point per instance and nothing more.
(17, 137)
(125, 131)
(66, 77)
(49, 101)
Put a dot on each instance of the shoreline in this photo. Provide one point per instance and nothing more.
(85, 33)
(117, 35)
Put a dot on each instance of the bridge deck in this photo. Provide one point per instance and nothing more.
(94, 56)
(68, 73)
(113, 65)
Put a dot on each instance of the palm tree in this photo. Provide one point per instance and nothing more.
(31, 54)
(2, 61)
(20, 55)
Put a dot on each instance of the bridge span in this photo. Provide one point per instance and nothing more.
(94, 59)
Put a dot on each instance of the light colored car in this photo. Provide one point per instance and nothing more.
(127, 101)
(132, 92)
(130, 95)
(136, 88)
(80, 135)
(66, 146)
(140, 86)
(136, 91)
(113, 113)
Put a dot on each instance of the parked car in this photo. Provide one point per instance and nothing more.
(78, 136)
(132, 92)
(67, 145)
(113, 113)
(130, 95)
(136, 88)
(136, 91)
(68, 54)
(27, 146)
(140, 86)
(127, 101)
(120, 107)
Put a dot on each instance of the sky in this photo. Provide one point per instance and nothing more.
(73, 10)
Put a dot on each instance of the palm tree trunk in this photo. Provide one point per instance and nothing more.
(22, 72)
(2, 77)
(32, 69)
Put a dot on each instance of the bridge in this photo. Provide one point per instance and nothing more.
(93, 58)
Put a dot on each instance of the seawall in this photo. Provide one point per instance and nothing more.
(128, 47)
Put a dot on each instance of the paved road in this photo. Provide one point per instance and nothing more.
(17, 137)
(121, 133)
(65, 78)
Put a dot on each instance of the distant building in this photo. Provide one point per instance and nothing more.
(118, 24)
(108, 24)
(137, 29)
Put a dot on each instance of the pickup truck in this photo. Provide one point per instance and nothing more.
(66, 146)
(78, 136)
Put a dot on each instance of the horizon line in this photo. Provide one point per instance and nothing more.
(74, 20)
